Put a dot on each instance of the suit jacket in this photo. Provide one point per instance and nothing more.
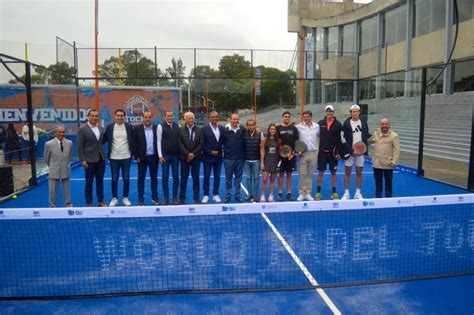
(211, 143)
(187, 145)
(109, 136)
(59, 162)
(139, 142)
(89, 148)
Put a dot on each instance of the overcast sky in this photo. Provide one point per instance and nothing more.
(248, 24)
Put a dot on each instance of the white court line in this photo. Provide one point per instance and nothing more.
(303, 268)
(295, 174)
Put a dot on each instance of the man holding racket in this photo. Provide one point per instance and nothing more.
(329, 149)
(288, 134)
(308, 133)
(354, 137)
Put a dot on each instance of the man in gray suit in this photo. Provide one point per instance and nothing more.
(57, 153)
(91, 155)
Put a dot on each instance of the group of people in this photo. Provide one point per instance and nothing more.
(234, 146)
(10, 140)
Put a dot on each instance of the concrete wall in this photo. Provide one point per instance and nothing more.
(339, 67)
(395, 57)
(465, 44)
(367, 64)
(428, 49)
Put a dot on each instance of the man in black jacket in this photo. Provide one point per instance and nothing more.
(212, 156)
(233, 157)
(167, 134)
(190, 147)
(252, 142)
(329, 149)
(354, 130)
(145, 152)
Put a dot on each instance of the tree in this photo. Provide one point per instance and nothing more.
(61, 73)
(233, 66)
(176, 71)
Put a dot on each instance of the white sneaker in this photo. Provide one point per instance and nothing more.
(345, 196)
(358, 196)
(270, 198)
(217, 199)
(113, 202)
(262, 198)
(300, 197)
(126, 202)
(308, 197)
(205, 199)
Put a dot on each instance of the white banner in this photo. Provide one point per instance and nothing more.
(309, 54)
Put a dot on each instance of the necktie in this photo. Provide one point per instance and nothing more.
(62, 147)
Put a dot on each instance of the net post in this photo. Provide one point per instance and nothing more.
(421, 139)
(31, 143)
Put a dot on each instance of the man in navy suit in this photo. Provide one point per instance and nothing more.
(212, 156)
(145, 151)
(119, 136)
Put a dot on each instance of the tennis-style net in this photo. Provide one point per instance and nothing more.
(241, 247)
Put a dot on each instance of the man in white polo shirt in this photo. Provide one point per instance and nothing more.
(119, 135)
(308, 132)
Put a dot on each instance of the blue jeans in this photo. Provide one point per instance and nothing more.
(233, 169)
(115, 167)
(150, 162)
(208, 167)
(252, 172)
(171, 160)
(95, 170)
(193, 166)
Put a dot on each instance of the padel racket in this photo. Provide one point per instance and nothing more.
(284, 152)
(359, 148)
(335, 152)
(300, 146)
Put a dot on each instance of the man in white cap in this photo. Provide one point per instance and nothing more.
(329, 149)
(354, 130)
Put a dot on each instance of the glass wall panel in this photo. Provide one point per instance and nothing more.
(395, 25)
(349, 39)
(333, 41)
(464, 76)
(465, 10)
(319, 47)
(369, 33)
(429, 16)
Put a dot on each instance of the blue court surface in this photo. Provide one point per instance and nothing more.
(256, 246)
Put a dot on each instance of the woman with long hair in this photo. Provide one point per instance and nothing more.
(269, 156)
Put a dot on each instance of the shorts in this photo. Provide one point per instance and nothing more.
(359, 161)
(325, 158)
(288, 166)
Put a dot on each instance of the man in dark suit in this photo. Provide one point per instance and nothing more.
(119, 136)
(190, 147)
(212, 156)
(145, 151)
(92, 157)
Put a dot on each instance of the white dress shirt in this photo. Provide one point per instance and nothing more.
(309, 134)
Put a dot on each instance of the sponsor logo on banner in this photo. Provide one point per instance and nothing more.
(74, 212)
(192, 210)
(228, 208)
(157, 211)
(304, 206)
(404, 201)
(134, 108)
(118, 211)
(36, 213)
(461, 199)
(368, 203)
(2, 214)
(335, 205)
(434, 200)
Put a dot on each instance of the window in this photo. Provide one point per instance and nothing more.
(395, 25)
(464, 76)
(319, 45)
(465, 9)
(349, 40)
(394, 84)
(368, 34)
(367, 89)
(333, 41)
(345, 91)
(429, 16)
